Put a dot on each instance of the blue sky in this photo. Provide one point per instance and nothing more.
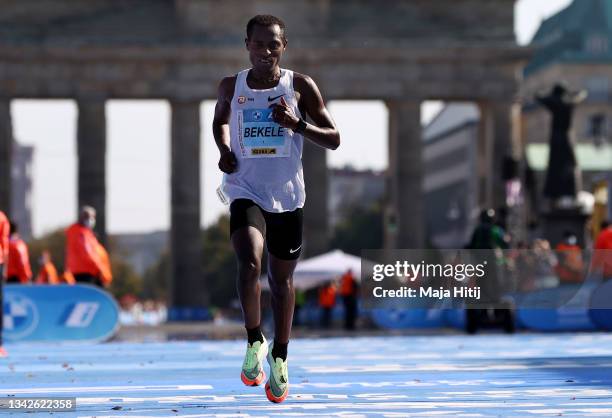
(138, 149)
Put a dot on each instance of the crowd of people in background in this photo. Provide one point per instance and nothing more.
(537, 264)
(523, 266)
(528, 266)
(86, 259)
(347, 288)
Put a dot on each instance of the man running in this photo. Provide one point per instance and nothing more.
(259, 128)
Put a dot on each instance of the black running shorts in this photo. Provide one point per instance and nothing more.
(282, 231)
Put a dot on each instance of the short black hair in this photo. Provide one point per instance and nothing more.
(13, 228)
(265, 21)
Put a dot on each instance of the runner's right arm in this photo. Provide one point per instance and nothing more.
(221, 131)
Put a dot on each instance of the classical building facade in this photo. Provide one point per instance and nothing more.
(404, 53)
(450, 188)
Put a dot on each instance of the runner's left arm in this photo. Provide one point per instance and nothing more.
(322, 131)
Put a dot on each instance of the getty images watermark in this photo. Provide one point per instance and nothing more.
(426, 278)
(534, 278)
(407, 272)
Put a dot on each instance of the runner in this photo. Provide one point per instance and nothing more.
(259, 128)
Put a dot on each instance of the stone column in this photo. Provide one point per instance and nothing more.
(498, 141)
(316, 219)
(485, 157)
(405, 216)
(6, 155)
(505, 147)
(499, 159)
(91, 152)
(509, 156)
(188, 296)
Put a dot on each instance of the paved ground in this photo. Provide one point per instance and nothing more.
(452, 375)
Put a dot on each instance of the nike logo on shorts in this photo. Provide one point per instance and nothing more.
(294, 251)
(271, 99)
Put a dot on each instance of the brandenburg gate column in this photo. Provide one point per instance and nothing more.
(188, 295)
(91, 151)
(6, 155)
(499, 142)
(316, 219)
(405, 216)
(486, 177)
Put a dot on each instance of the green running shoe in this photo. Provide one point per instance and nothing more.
(277, 387)
(252, 368)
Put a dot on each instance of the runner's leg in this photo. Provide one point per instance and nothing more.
(284, 242)
(248, 244)
(280, 277)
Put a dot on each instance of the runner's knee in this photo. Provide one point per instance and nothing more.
(280, 284)
(249, 268)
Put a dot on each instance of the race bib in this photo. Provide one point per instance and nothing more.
(260, 137)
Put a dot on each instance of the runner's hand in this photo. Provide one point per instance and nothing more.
(283, 114)
(228, 162)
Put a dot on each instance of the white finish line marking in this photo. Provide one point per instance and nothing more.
(94, 389)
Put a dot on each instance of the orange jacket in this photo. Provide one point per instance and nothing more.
(47, 274)
(106, 276)
(571, 266)
(347, 284)
(327, 296)
(602, 256)
(4, 237)
(67, 278)
(19, 260)
(85, 255)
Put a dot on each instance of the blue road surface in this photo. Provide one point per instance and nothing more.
(485, 375)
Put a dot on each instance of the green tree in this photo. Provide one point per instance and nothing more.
(219, 263)
(125, 279)
(155, 283)
(55, 243)
(218, 267)
(360, 228)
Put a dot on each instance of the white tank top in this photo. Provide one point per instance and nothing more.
(269, 156)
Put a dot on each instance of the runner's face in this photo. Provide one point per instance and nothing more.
(266, 47)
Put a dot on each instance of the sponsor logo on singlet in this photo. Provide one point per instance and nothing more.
(244, 99)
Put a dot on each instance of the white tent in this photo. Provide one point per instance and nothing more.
(316, 270)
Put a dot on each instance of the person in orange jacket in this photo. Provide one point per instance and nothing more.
(5, 229)
(327, 301)
(348, 291)
(4, 245)
(106, 274)
(86, 258)
(47, 273)
(19, 269)
(570, 267)
(67, 278)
